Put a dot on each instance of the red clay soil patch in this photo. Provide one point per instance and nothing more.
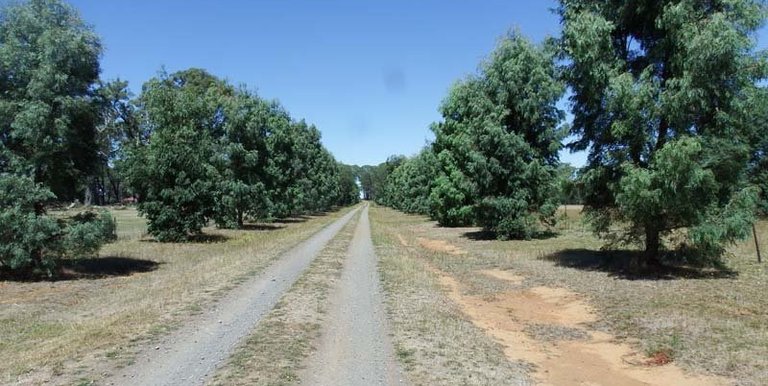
(440, 246)
(599, 359)
(659, 359)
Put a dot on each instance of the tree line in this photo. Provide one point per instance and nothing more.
(190, 149)
(668, 100)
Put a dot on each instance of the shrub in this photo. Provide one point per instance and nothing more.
(33, 242)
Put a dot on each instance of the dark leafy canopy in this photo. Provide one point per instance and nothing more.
(175, 174)
(32, 241)
(660, 92)
(498, 142)
(243, 166)
(409, 185)
(49, 66)
(757, 103)
(220, 153)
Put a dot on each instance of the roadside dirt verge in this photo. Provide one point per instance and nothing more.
(548, 328)
(435, 342)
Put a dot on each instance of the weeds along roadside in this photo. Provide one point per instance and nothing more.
(78, 329)
(434, 342)
(276, 350)
(709, 322)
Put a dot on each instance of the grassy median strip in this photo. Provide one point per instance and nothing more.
(434, 341)
(79, 328)
(276, 351)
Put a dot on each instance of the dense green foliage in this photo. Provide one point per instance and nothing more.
(373, 179)
(660, 100)
(219, 153)
(31, 241)
(494, 159)
(49, 67)
(409, 186)
(757, 104)
(668, 97)
(191, 148)
(498, 143)
(175, 174)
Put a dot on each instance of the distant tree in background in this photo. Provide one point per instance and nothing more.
(305, 176)
(349, 191)
(410, 184)
(659, 100)
(374, 178)
(568, 185)
(498, 143)
(117, 131)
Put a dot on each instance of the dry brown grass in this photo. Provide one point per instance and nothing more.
(276, 350)
(62, 331)
(434, 341)
(708, 322)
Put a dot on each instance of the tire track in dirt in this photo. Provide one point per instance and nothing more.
(190, 355)
(355, 348)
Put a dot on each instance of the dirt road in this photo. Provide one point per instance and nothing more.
(190, 355)
(354, 348)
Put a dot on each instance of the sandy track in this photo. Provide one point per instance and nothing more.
(355, 348)
(190, 355)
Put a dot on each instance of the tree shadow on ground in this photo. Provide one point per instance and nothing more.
(203, 238)
(622, 264)
(207, 238)
(485, 235)
(262, 227)
(87, 268)
(293, 220)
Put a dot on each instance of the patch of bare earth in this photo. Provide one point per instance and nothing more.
(706, 322)
(593, 358)
(438, 246)
(435, 342)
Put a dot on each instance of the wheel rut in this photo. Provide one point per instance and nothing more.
(191, 354)
(355, 347)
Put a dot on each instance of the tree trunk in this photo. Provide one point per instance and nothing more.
(88, 198)
(652, 246)
(239, 219)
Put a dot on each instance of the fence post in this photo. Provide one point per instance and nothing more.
(757, 245)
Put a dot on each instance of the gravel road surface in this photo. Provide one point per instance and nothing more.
(190, 355)
(355, 348)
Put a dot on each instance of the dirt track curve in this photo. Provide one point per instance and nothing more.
(190, 355)
(355, 348)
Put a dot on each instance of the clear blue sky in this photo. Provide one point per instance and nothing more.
(369, 74)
